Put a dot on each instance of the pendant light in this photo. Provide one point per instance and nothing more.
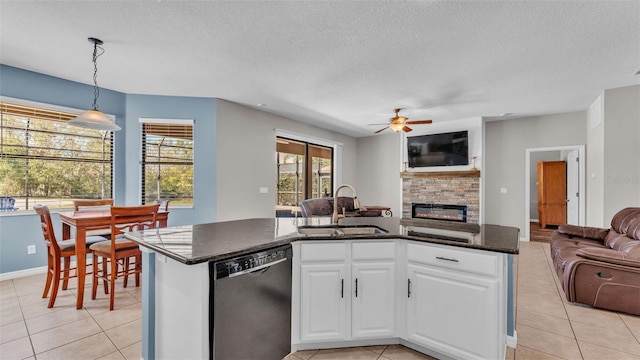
(94, 118)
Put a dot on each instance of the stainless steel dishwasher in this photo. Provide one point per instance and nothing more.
(250, 306)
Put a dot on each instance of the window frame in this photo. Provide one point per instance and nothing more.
(309, 150)
(165, 122)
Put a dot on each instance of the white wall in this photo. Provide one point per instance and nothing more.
(621, 150)
(504, 160)
(246, 160)
(595, 164)
(378, 171)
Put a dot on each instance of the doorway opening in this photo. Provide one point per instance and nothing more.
(576, 182)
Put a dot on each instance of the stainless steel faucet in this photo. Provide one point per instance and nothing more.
(356, 202)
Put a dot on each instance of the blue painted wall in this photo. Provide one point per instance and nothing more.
(203, 112)
(17, 230)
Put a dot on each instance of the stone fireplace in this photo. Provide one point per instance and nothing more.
(443, 191)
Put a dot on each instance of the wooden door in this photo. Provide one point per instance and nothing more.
(552, 192)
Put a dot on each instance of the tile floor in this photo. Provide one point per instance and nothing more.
(548, 327)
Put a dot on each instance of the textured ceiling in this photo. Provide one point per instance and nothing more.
(339, 64)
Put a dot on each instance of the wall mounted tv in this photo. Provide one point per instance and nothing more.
(446, 149)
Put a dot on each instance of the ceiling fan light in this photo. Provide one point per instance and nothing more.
(396, 127)
(94, 119)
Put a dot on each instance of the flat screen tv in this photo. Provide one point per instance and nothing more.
(446, 149)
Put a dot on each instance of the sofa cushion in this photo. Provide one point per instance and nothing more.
(583, 231)
(621, 221)
(634, 230)
(609, 256)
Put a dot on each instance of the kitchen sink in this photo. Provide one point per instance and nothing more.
(362, 230)
(340, 230)
(318, 231)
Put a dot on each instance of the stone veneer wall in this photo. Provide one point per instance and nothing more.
(442, 190)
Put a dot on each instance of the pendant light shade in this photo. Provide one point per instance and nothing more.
(95, 119)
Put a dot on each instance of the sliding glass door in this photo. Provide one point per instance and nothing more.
(304, 171)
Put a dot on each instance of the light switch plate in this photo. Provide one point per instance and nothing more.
(503, 190)
(31, 249)
(264, 190)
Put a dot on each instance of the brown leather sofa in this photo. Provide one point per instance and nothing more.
(601, 267)
(324, 207)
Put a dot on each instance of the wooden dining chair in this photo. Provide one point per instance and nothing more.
(114, 255)
(79, 205)
(164, 204)
(57, 250)
(88, 205)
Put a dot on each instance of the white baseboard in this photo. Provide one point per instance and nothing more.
(23, 273)
(512, 341)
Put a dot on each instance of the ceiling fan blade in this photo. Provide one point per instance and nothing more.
(406, 129)
(381, 130)
(418, 122)
(380, 124)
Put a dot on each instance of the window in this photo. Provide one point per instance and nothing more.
(305, 171)
(43, 160)
(167, 161)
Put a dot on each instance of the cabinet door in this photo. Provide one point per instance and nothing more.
(323, 301)
(452, 312)
(373, 299)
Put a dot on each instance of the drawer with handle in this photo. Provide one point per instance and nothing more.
(452, 258)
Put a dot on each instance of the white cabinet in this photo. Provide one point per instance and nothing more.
(373, 299)
(449, 300)
(323, 306)
(450, 307)
(347, 290)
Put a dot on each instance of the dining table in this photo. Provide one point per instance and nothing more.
(84, 221)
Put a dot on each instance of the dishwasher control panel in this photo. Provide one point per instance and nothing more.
(251, 262)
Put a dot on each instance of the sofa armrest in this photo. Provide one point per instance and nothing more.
(608, 256)
(584, 232)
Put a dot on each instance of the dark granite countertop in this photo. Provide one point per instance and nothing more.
(193, 244)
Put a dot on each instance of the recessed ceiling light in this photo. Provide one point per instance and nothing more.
(262, 105)
(506, 114)
(637, 72)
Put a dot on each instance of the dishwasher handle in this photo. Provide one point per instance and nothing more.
(257, 268)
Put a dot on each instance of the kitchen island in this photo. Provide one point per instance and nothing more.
(176, 282)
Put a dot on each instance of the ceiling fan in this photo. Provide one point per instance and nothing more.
(398, 123)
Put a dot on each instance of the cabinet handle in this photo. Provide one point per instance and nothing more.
(447, 259)
(408, 288)
(342, 288)
(356, 287)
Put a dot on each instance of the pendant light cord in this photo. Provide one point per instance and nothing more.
(96, 89)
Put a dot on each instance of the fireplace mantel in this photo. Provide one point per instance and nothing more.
(440, 174)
